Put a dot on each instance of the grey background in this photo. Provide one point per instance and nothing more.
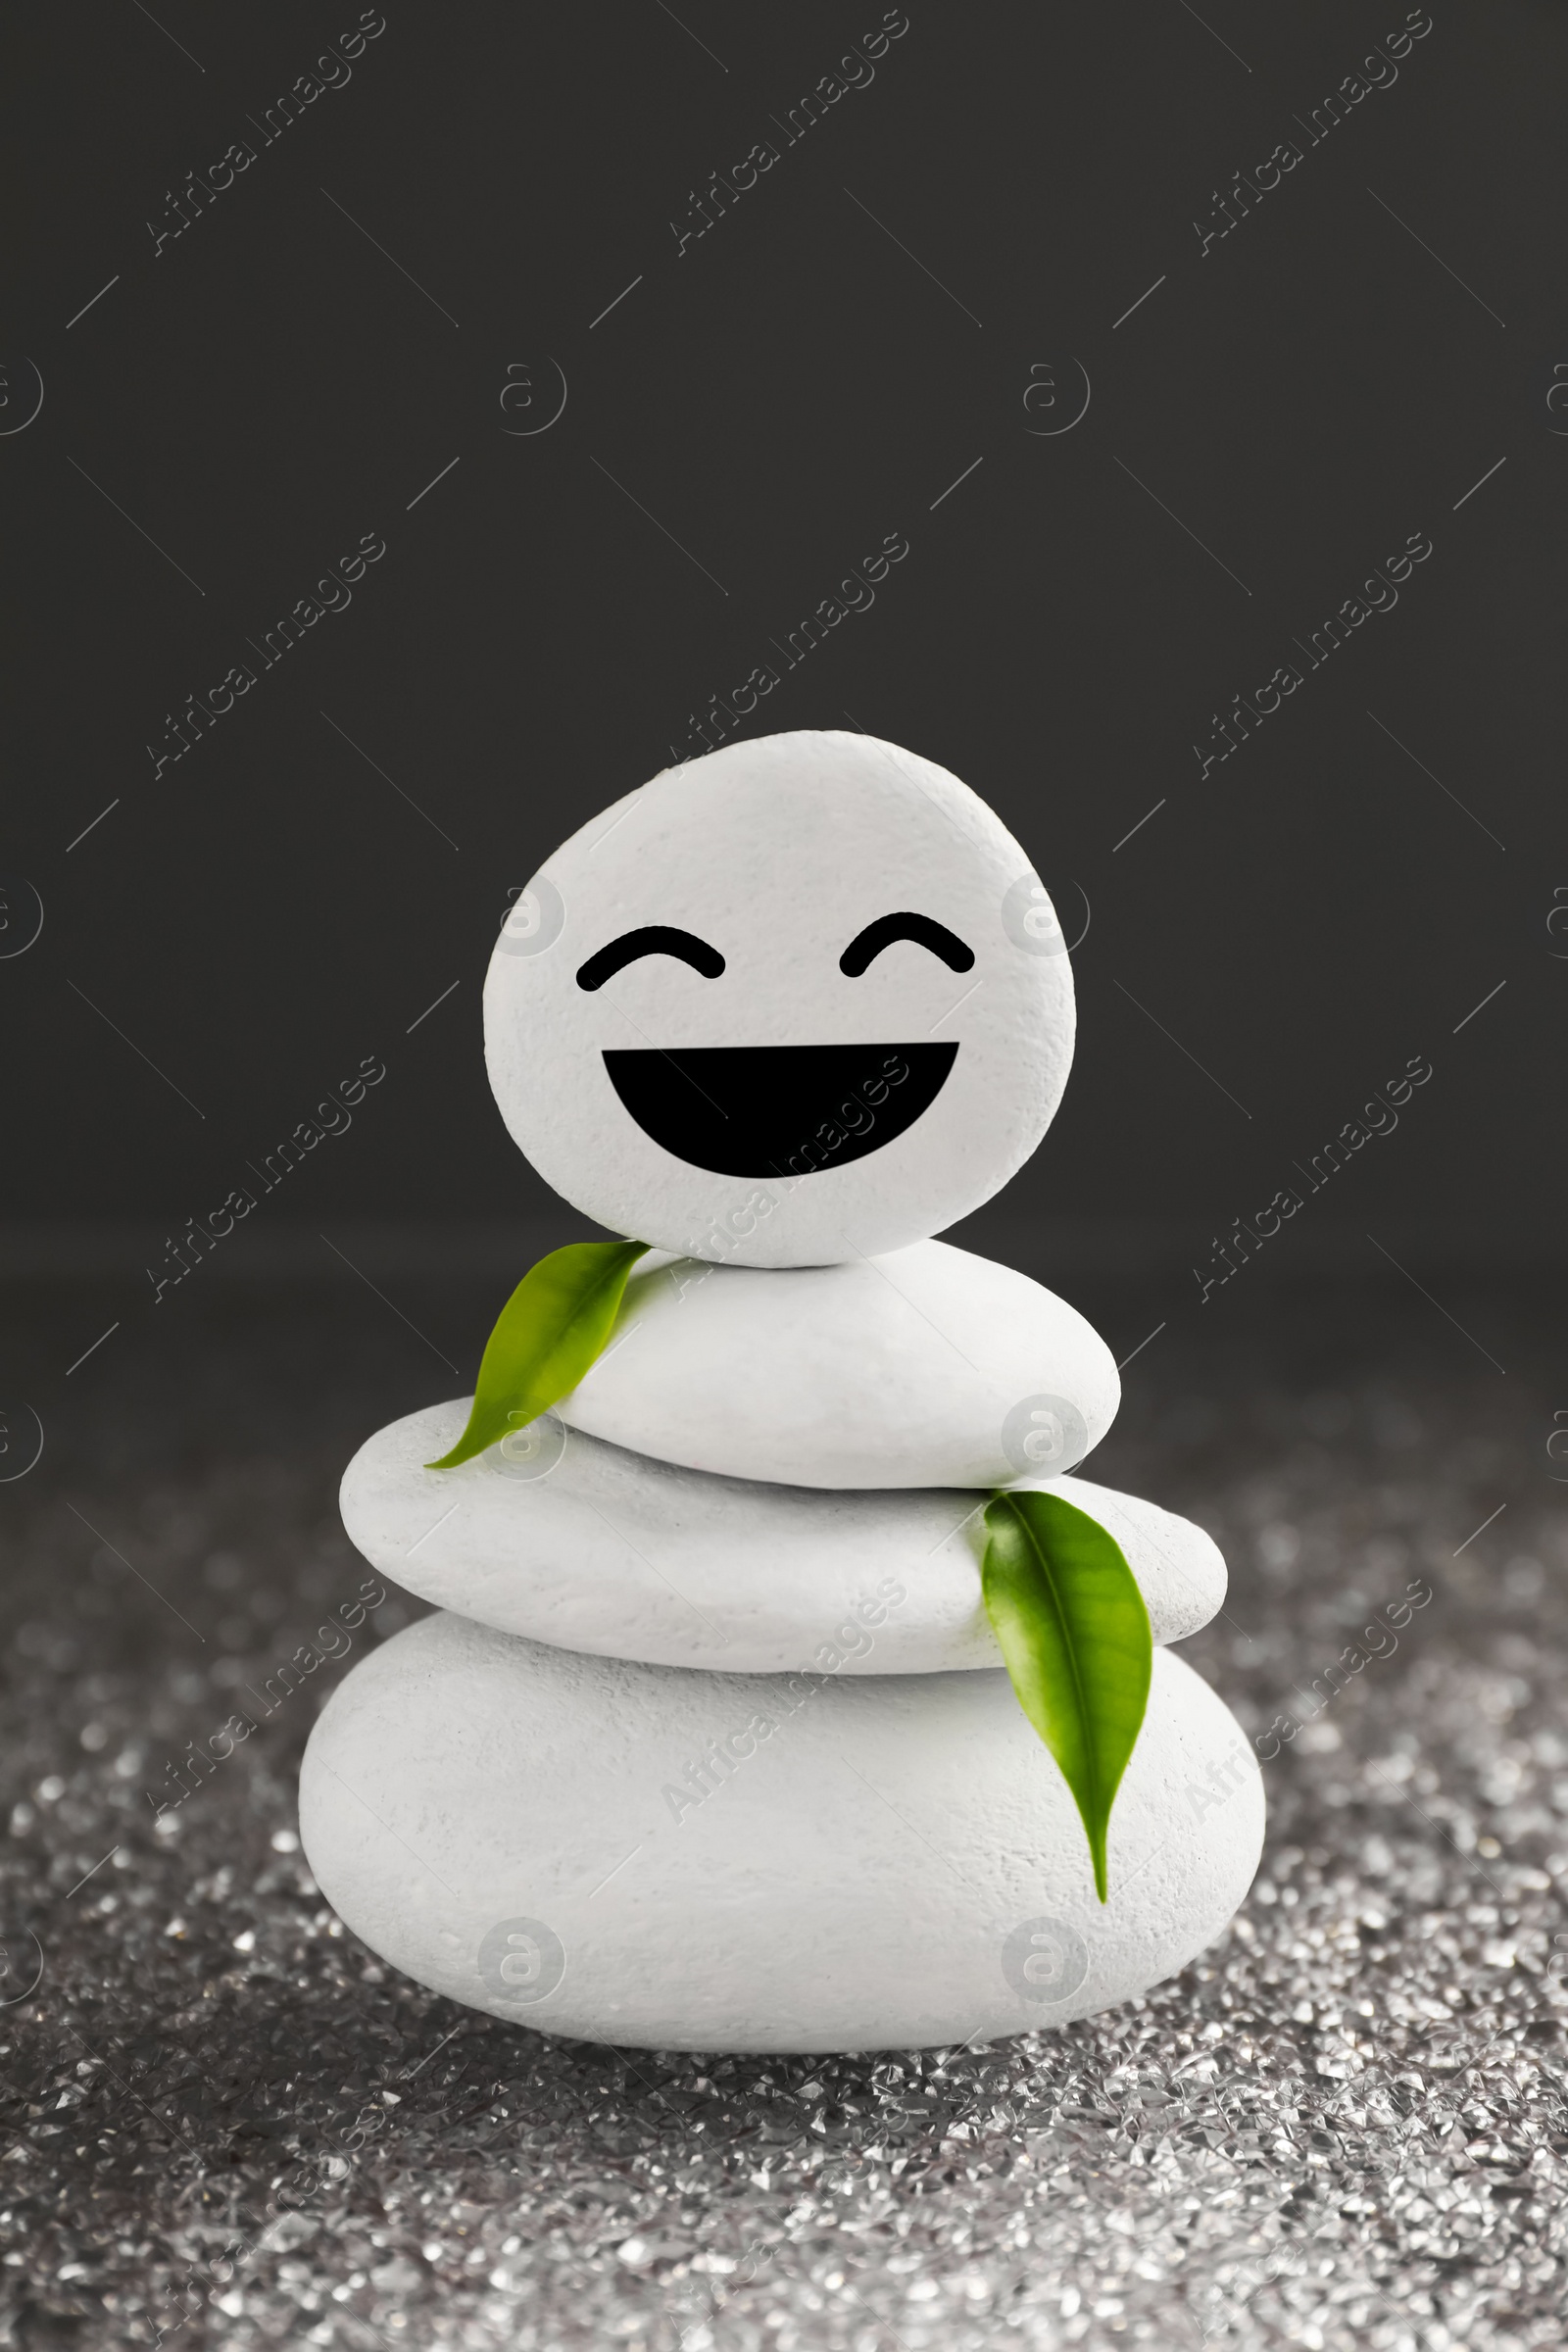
(791, 387)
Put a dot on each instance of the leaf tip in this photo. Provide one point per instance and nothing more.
(463, 1452)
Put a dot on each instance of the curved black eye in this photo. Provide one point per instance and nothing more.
(652, 939)
(925, 933)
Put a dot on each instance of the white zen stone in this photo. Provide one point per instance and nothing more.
(566, 1539)
(727, 1862)
(928, 1367)
(703, 1030)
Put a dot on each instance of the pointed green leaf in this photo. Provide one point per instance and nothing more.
(552, 1328)
(1074, 1634)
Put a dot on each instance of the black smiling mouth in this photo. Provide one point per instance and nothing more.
(779, 1110)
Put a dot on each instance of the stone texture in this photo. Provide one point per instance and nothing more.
(726, 1862)
(931, 1367)
(564, 1539)
(777, 852)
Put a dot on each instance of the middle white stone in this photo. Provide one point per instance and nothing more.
(570, 1541)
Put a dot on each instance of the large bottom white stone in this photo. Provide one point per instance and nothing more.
(881, 1862)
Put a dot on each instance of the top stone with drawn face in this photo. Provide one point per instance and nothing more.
(792, 1003)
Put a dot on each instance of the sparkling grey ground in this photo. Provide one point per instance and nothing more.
(1346, 2125)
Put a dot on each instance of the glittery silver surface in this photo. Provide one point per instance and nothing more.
(226, 2123)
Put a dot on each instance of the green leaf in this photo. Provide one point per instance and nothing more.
(552, 1328)
(1074, 1634)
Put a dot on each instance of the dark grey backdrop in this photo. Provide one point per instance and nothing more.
(339, 328)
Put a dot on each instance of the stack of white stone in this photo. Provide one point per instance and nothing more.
(710, 1744)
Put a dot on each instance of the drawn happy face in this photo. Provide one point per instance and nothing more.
(796, 1002)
